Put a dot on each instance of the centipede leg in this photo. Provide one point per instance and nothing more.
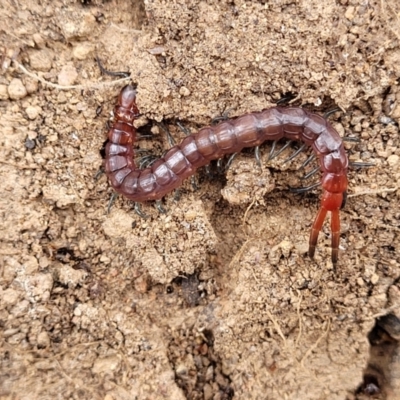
(310, 174)
(330, 112)
(193, 182)
(230, 160)
(177, 195)
(138, 210)
(271, 153)
(208, 171)
(299, 190)
(111, 202)
(170, 139)
(316, 228)
(335, 227)
(146, 161)
(139, 137)
(296, 153)
(344, 201)
(355, 164)
(220, 168)
(285, 99)
(351, 139)
(142, 151)
(160, 208)
(305, 163)
(282, 149)
(257, 156)
(183, 128)
(223, 117)
(99, 173)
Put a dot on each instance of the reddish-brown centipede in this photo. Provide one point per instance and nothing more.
(229, 136)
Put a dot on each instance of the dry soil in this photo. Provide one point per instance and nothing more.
(217, 298)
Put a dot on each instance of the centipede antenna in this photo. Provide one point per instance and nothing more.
(271, 153)
(351, 139)
(230, 161)
(355, 164)
(304, 189)
(296, 153)
(310, 174)
(305, 163)
(138, 210)
(184, 129)
(111, 202)
(160, 208)
(170, 139)
(282, 149)
(330, 112)
(111, 73)
(257, 156)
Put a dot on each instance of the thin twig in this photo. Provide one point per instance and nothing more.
(315, 345)
(377, 191)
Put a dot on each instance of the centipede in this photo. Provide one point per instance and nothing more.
(227, 137)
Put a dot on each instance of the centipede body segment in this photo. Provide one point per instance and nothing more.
(229, 136)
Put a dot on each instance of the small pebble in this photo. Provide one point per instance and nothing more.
(349, 13)
(10, 297)
(67, 75)
(374, 279)
(393, 160)
(184, 91)
(77, 28)
(40, 60)
(155, 51)
(31, 85)
(82, 51)
(43, 339)
(106, 364)
(39, 41)
(33, 112)
(30, 144)
(16, 89)
(208, 392)
(3, 92)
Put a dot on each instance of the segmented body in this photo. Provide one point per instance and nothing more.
(229, 136)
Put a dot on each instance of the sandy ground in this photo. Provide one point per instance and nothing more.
(216, 299)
